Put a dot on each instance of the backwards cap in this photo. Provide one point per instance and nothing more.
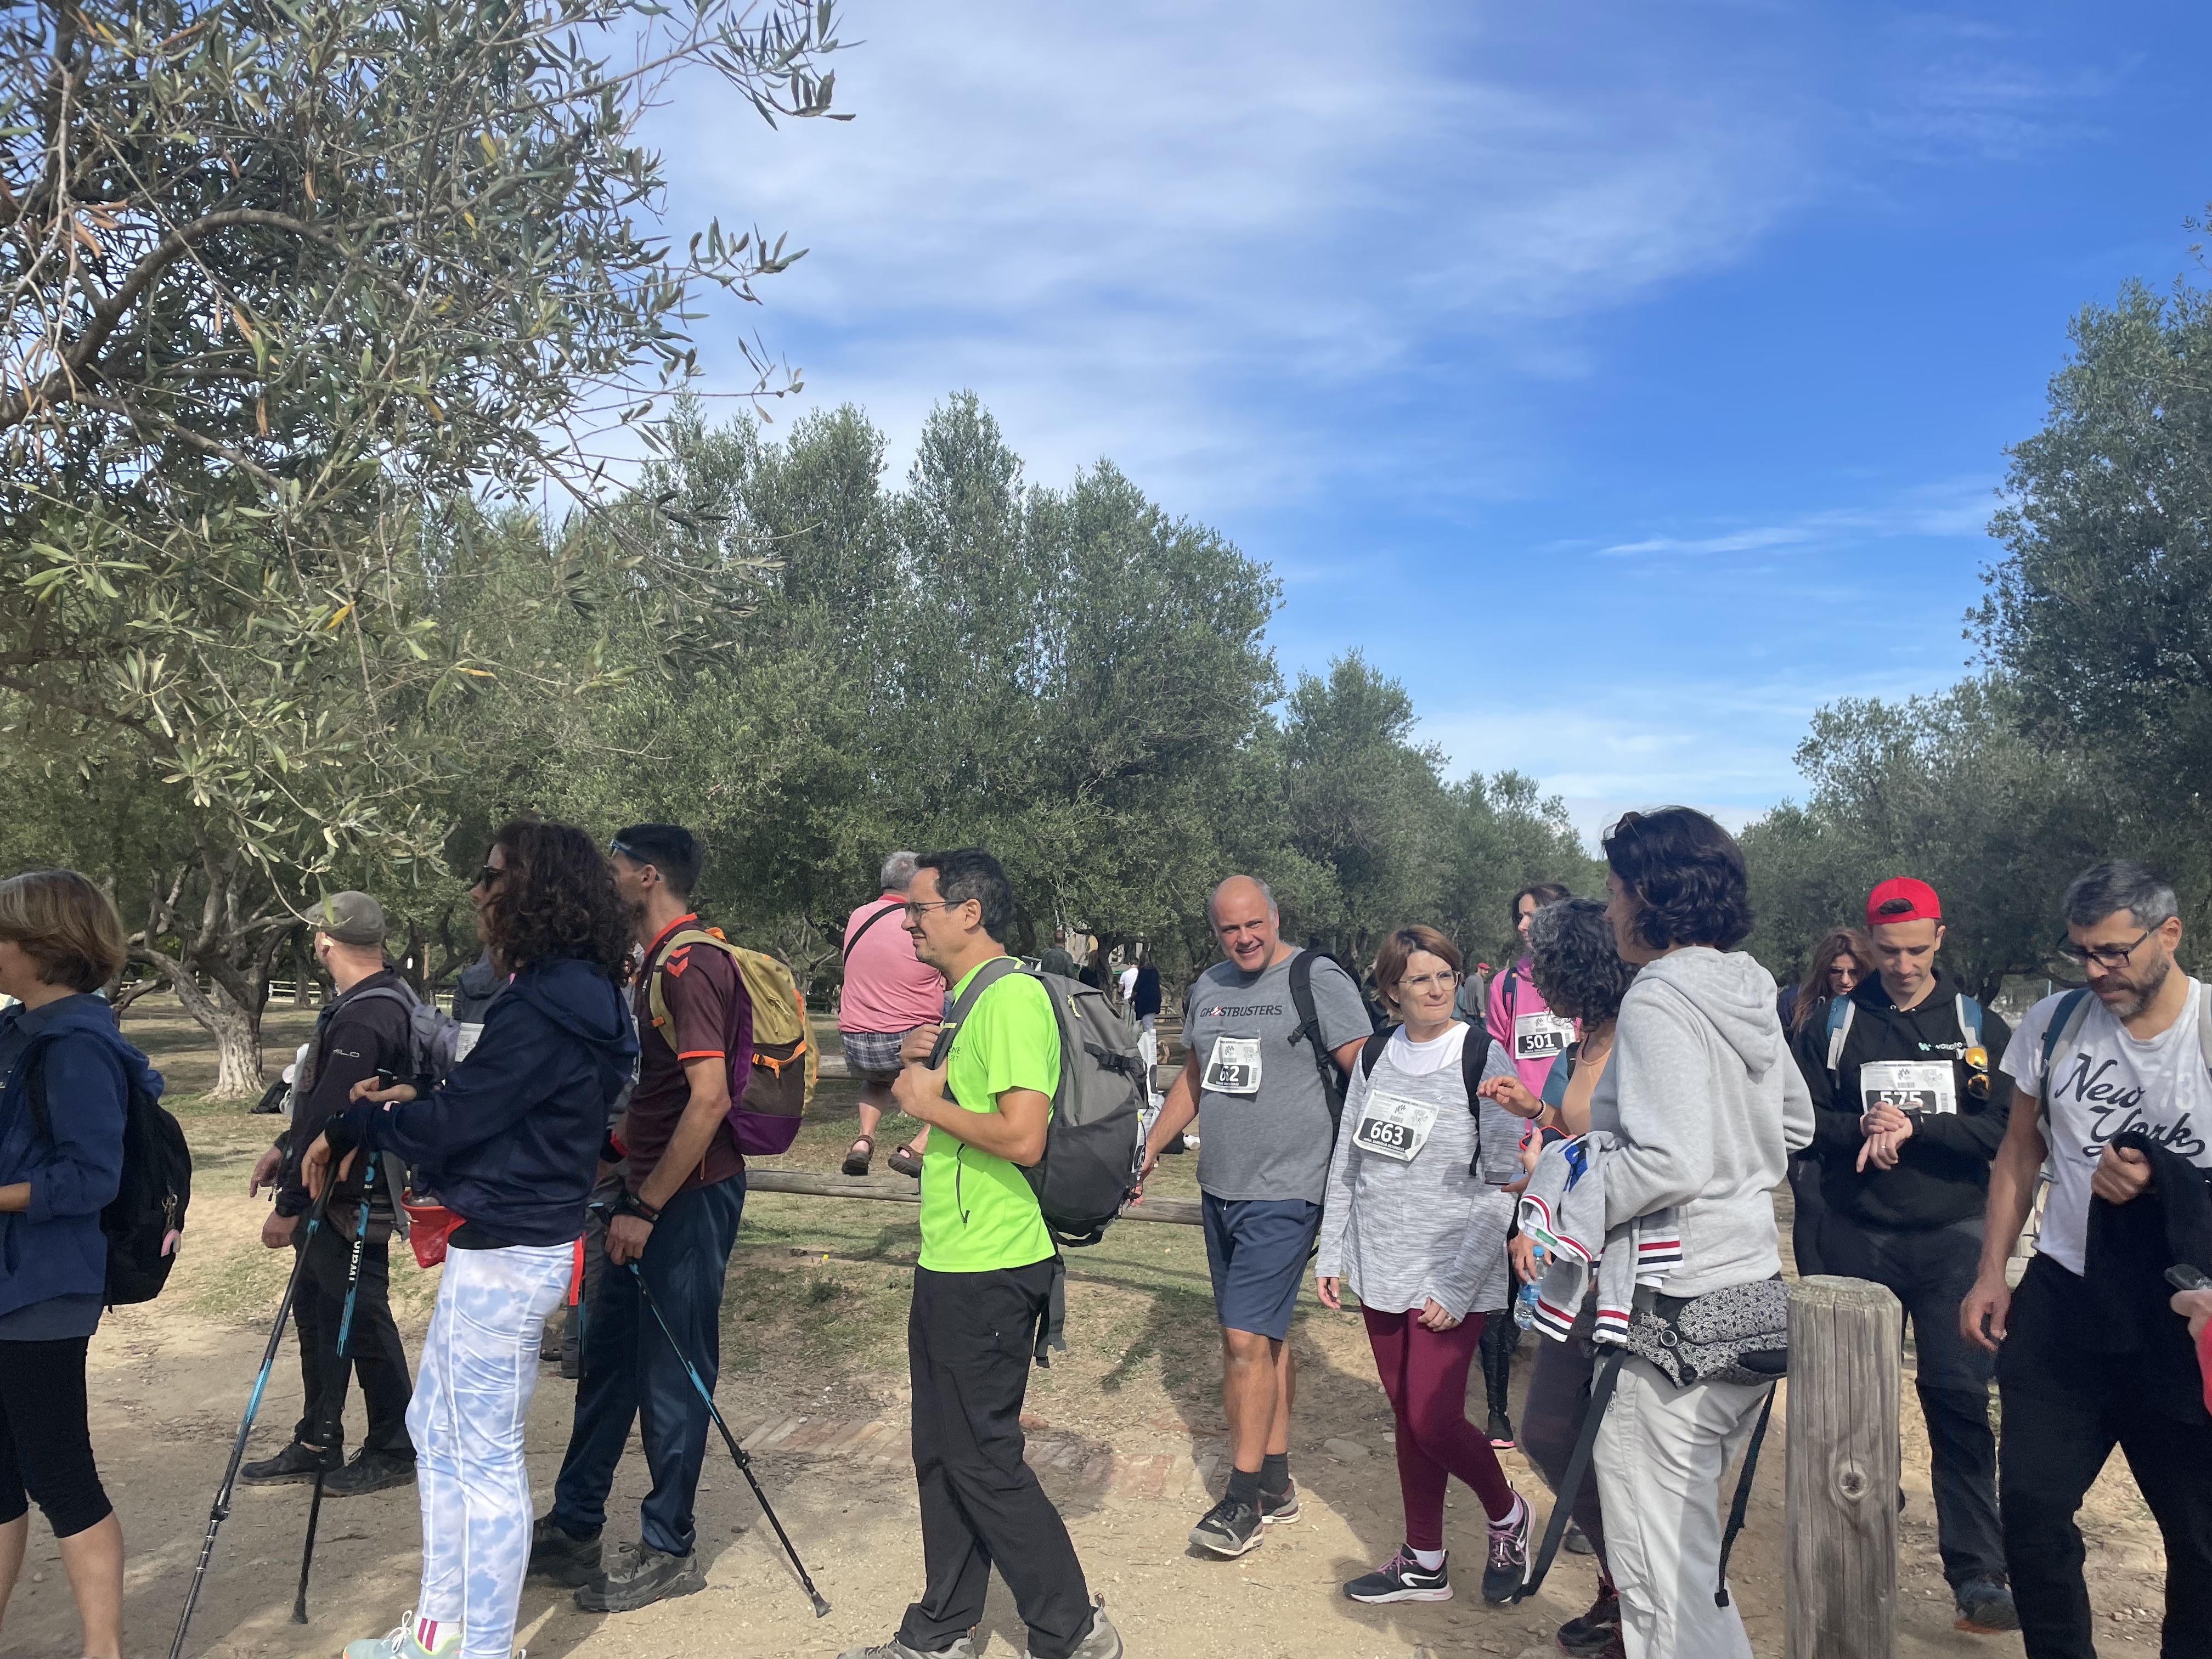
(1921, 903)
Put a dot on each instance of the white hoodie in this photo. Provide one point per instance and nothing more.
(1705, 1104)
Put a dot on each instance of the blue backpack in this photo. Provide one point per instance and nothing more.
(1842, 1010)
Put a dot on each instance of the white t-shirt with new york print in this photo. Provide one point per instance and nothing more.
(2103, 1082)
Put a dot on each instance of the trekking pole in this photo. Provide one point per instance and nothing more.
(336, 1407)
(744, 1459)
(220, 1510)
(1563, 1499)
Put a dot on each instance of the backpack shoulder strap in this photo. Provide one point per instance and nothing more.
(1371, 1050)
(2204, 1022)
(846, 952)
(2065, 1020)
(1841, 1011)
(1969, 1019)
(656, 1001)
(985, 976)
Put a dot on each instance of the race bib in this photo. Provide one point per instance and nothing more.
(1233, 1068)
(1394, 1128)
(1910, 1085)
(1541, 1037)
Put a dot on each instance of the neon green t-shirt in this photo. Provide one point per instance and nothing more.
(978, 1213)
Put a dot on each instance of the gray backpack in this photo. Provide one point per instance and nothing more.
(1092, 1142)
(433, 1039)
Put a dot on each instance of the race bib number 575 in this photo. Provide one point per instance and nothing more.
(1910, 1085)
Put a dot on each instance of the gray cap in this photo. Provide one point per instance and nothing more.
(351, 919)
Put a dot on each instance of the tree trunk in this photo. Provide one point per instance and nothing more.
(236, 1029)
(303, 965)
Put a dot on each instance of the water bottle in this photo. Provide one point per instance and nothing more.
(1524, 1305)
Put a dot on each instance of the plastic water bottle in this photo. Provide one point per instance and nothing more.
(1524, 1305)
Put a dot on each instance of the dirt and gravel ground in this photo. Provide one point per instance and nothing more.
(1126, 1430)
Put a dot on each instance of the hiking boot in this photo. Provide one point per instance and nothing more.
(406, 1641)
(1401, 1578)
(640, 1575)
(1501, 1432)
(905, 1162)
(558, 1554)
(862, 1153)
(1101, 1641)
(1577, 1540)
(1588, 1637)
(1986, 1607)
(297, 1461)
(1278, 1507)
(370, 1471)
(1230, 1528)
(961, 1648)
(1508, 1566)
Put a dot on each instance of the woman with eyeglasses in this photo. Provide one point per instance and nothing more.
(1415, 1226)
(511, 1143)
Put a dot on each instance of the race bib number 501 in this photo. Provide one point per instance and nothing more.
(1541, 1037)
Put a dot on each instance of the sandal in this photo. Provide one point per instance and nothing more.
(904, 1161)
(856, 1161)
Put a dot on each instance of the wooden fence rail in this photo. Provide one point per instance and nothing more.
(897, 1189)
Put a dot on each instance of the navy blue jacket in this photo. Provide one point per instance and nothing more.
(55, 1246)
(512, 1142)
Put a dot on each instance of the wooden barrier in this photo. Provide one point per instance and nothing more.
(897, 1189)
(1840, 1559)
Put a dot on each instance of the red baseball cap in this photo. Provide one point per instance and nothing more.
(1921, 898)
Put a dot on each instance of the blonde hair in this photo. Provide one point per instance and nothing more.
(65, 925)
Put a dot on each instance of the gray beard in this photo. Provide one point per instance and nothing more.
(2143, 998)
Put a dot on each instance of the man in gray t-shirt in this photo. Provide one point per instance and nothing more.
(1262, 1168)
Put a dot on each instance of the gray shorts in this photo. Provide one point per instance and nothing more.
(872, 1055)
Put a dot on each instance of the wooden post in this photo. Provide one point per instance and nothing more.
(1842, 1486)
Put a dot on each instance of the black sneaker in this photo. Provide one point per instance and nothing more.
(370, 1471)
(295, 1462)
(1277, 1507)
(1587, 1637)
(1986, 1607)
(560, 1555)
(1578, 1541)
(1230, 1528)
(641, 1575)
(1508, 1566)
(1401, 1578)
(1501, 1432)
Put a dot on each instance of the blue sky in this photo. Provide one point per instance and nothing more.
(1626, 379)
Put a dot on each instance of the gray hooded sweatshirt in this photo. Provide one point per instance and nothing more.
(1705, 1105)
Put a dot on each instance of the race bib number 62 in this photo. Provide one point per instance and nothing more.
(1233, 1068)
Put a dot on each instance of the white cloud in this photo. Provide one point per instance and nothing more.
(1952, 507)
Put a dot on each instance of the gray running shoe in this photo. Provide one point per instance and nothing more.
(961, 1648)
(640, 1575)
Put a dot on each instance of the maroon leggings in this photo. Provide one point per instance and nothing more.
(1425, 1374)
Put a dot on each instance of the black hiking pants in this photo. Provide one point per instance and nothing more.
(374, 1351)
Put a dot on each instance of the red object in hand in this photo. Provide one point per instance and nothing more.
(428, 1226)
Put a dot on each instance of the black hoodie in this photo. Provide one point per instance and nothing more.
(1942, 1173)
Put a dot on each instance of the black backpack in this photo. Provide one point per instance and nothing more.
(1332, 1081)
(145, 1220)
(1091, 1143)
(1473, 1056)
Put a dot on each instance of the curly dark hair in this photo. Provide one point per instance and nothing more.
(556, 899)
(1572, 959)
(1685, 874)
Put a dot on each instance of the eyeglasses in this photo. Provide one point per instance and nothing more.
(914, 907)
(2104, 955)
(1422, 982)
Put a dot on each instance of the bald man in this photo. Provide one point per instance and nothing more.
(1266, 1079)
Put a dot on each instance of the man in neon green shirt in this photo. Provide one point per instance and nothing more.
(982, 1287)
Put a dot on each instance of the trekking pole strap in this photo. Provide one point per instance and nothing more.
(1578, 1465)
(1741, 1506)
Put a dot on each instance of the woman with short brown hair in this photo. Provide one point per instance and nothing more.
(62, 1110)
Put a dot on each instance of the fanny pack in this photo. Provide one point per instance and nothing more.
(1739, 1334)
(429, 1223)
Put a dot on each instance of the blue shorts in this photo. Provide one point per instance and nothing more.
(1256, 1249)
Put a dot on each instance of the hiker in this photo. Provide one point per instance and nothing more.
(367, 1028)
(676, 1215)
(60, 940)
(1704, 1103)
(888, 992)
(982, 1287)
(1057, 959)
(509, 1145)
(1843, 957)
(2087, 1354)
(1908, 1115)
(1145, 1005)
(1270, 1035)
(1415, 1226)
(1579, 972)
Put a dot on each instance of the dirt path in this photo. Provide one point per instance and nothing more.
(1126, 1433)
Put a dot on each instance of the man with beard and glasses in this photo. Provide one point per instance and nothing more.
(2089, 1357)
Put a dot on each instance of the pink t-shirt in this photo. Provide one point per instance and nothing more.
(887, 987)
(1524, 1025)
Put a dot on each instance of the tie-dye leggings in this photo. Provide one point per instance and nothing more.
(479, 1367)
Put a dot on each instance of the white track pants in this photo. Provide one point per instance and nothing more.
(1661, 1453)
(480, 1367)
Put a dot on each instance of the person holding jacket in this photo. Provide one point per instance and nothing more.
(60, 940)
(1704, 1105)
(511, 1145)
(1908, 1109)
(1415, 1226)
